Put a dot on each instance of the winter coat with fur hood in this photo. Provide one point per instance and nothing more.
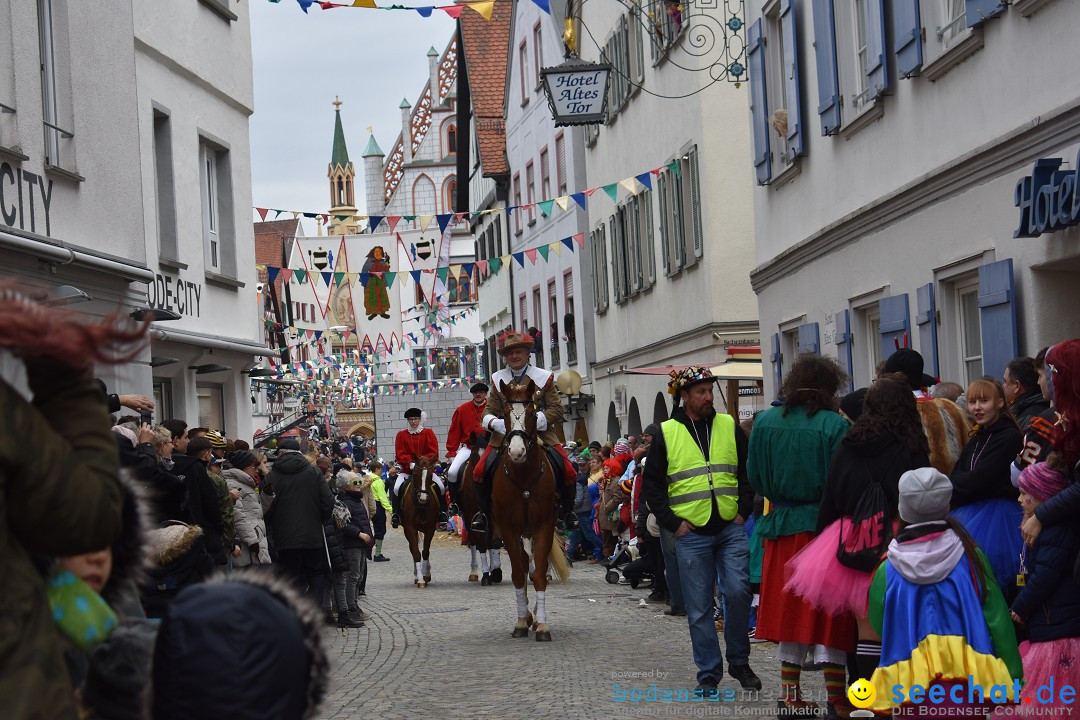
(177, 557)
(250, 527)
(57, 460)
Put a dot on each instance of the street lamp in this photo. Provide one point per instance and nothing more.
(577, 91)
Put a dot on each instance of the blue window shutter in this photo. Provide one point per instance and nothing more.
(790, 30)
(907, 29)
(843, 345)
(777, 362)
(895, 324)
(759, 106)
(828, 79)
(997, 315)
(926, 319)
(809, 339)
(978, 11)
(877, 71)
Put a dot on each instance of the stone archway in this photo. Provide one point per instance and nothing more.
(614, 430)
(362, 429)
(633, 425)
(660, 409)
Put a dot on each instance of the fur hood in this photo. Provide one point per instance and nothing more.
(171, 542)
(238, 476)
(129, 551)
(259, 627)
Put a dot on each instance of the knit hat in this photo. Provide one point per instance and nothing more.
(241, 459)
(584, 454)
(924, 495)
(1041, 481)
(289, 444)
(852, 404)
(621, 447)
(651, 429)
(217, 440)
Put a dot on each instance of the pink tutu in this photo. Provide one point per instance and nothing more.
(1051, 664)
(815, 575)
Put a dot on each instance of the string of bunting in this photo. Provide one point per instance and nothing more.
(483, 7)
(632, 185)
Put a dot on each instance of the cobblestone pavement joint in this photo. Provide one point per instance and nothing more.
(445, 651)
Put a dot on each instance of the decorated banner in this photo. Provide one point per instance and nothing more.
(484, 7)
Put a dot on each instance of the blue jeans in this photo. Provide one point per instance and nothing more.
(703, 558)
(585, 536)
(671, 571)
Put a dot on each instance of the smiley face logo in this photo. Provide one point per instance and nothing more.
(861, 693)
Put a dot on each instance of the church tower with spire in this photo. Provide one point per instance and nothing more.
(342, 183)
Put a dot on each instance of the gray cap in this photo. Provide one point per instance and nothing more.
(924, 495)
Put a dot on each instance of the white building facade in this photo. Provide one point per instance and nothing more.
(194, 102)
(670, 264)
(102, 158)
(921, 192)
(546, 162)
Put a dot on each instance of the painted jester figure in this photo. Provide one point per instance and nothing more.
(515, 348)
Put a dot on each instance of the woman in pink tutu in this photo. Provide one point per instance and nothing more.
(884, 442)
(1049, 599)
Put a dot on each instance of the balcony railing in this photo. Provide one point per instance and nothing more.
(571, 351)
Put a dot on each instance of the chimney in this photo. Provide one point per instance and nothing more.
(406, 130)
(433, 70)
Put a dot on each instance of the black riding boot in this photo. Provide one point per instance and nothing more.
(454, 494)
(395, 505)
(480, 522)
(567, 495)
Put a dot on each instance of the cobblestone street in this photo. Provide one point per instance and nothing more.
(446, 651)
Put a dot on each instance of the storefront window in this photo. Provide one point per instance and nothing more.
(211, 407)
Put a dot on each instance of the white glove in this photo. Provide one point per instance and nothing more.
(541, 422)
(498, 425)
(633, 542)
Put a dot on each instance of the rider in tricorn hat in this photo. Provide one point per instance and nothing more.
(515, 347)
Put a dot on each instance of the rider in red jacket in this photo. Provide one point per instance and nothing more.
(464, 426)
(411, 444)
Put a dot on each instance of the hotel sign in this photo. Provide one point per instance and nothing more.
(1048, 198)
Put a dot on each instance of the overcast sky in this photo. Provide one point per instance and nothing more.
(371, 59)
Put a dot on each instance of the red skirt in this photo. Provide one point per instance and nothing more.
(785, 617)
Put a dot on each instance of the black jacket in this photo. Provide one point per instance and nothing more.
(302, 503)
(1049, 602)
(655, 489)
(1063, 507)
(1028, 407)
(360, 523)
(982, 472)
(203, 503)
(854, 464)
(335, 547)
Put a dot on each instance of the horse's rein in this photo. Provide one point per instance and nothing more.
(517, 422)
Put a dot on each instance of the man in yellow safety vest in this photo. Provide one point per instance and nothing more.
(695, 484)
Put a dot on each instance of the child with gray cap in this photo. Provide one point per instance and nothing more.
(941, 616)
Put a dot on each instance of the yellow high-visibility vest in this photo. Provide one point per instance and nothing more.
(693, 483)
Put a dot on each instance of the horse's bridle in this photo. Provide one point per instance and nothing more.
(529, 441)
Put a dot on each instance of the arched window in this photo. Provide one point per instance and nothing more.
(340, 192)
(451, 194)
(451, 140)
(424, 199)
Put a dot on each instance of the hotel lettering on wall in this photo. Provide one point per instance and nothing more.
(1048, 198)
(25, 199)
(176, 294)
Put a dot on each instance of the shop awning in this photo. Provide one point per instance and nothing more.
(733, 370)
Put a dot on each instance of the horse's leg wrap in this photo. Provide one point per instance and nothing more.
(522, 603)
(541, 611)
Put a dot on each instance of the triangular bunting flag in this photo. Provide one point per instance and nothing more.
(373, 222)
(612, 191)
(520, 257)
(644, 179)
(544, 5)
(424, 11)
(442, 273)
(483, 265)
(364, 4)
(484, 8)
(300, 275)
(557, 247)
(389, 277)
(563, 201)
(262, 213)
(286, 275)
(531, 254)
(673, 166)
(466, 268)
(338, 277)
(415, 275)
(545, 207)
(363, 278)
(444, 220)
(392, 221)
(579, 198)
(454, 11)
(272, 272)
(328, 278)
(543, 250)
(458, 217)
(630, 184)
(494, 264)
(580, 239)
(569, 242)
(425, 221)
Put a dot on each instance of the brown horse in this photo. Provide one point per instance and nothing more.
(485, 554)
(420, 514)
(523, 505)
